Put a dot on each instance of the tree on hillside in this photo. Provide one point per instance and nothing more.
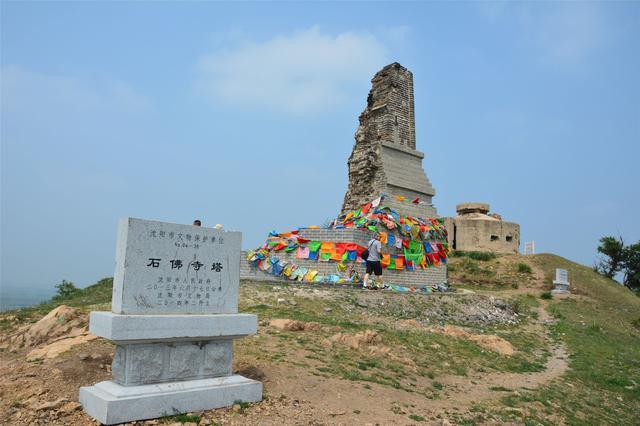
(611, 262)
(616, 257)
(631, 266)
(65, 289)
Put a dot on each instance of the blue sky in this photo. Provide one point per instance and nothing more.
(244, 113)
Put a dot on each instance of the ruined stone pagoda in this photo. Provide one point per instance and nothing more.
(384, 159)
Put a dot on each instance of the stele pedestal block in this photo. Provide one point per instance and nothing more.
(174, 317)
(561, 283)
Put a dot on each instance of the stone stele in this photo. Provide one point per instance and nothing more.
(561, 282)
(173, 320)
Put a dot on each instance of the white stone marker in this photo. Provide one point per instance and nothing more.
(175, 304)
(561, 282)
(530, 247)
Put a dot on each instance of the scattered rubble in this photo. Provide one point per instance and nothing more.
(471, 309)
(52, 404)
(487, 341)
(59, 346)
(355, 341)
(293, 325)
(62, 321)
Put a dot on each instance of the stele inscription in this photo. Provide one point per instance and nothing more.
(562, 275)
(167, 268)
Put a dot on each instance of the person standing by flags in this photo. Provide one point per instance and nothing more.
(373, 260)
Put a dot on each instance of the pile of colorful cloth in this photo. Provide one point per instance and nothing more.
(419, 243)
(375, 217)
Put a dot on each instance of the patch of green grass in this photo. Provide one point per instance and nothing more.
(181, 418)
(499, 389)
(483, 256)
(464, 355)
(416, 417)
(524, 304)
(306, 310)
(437, 385)
(523, 268)
(368, 364)
(473, 267)
(546, 295)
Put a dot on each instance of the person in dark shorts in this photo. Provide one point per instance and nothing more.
(373, 261)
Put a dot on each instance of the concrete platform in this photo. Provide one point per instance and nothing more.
(111, 403)
(140, 328)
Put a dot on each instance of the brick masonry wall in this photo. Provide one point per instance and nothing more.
(418, 277)
(384, 157)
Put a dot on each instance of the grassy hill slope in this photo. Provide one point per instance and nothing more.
(364, 356)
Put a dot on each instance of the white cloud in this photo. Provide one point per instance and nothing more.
(28, 92)
(398, 34)
(492, 10)
(570, 33)
(560, 33)
(304, 72)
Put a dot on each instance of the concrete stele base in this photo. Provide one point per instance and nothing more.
(560, 288)
(111, 403)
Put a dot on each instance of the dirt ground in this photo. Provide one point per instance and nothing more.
(44, 391)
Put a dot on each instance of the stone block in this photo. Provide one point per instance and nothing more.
(183, 361)
(166, 268)
(138, 364)
(143, 364)
(217, 360)
(140, 328)
(111, 403)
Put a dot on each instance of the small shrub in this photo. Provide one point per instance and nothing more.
(499, 389)
(594, 328)
(519, 306)
(523, 268)
(636, 323)
(438, 385)
(546, 295)
(416, 417)
(475, 255)
(481, 255)
(243, 405)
